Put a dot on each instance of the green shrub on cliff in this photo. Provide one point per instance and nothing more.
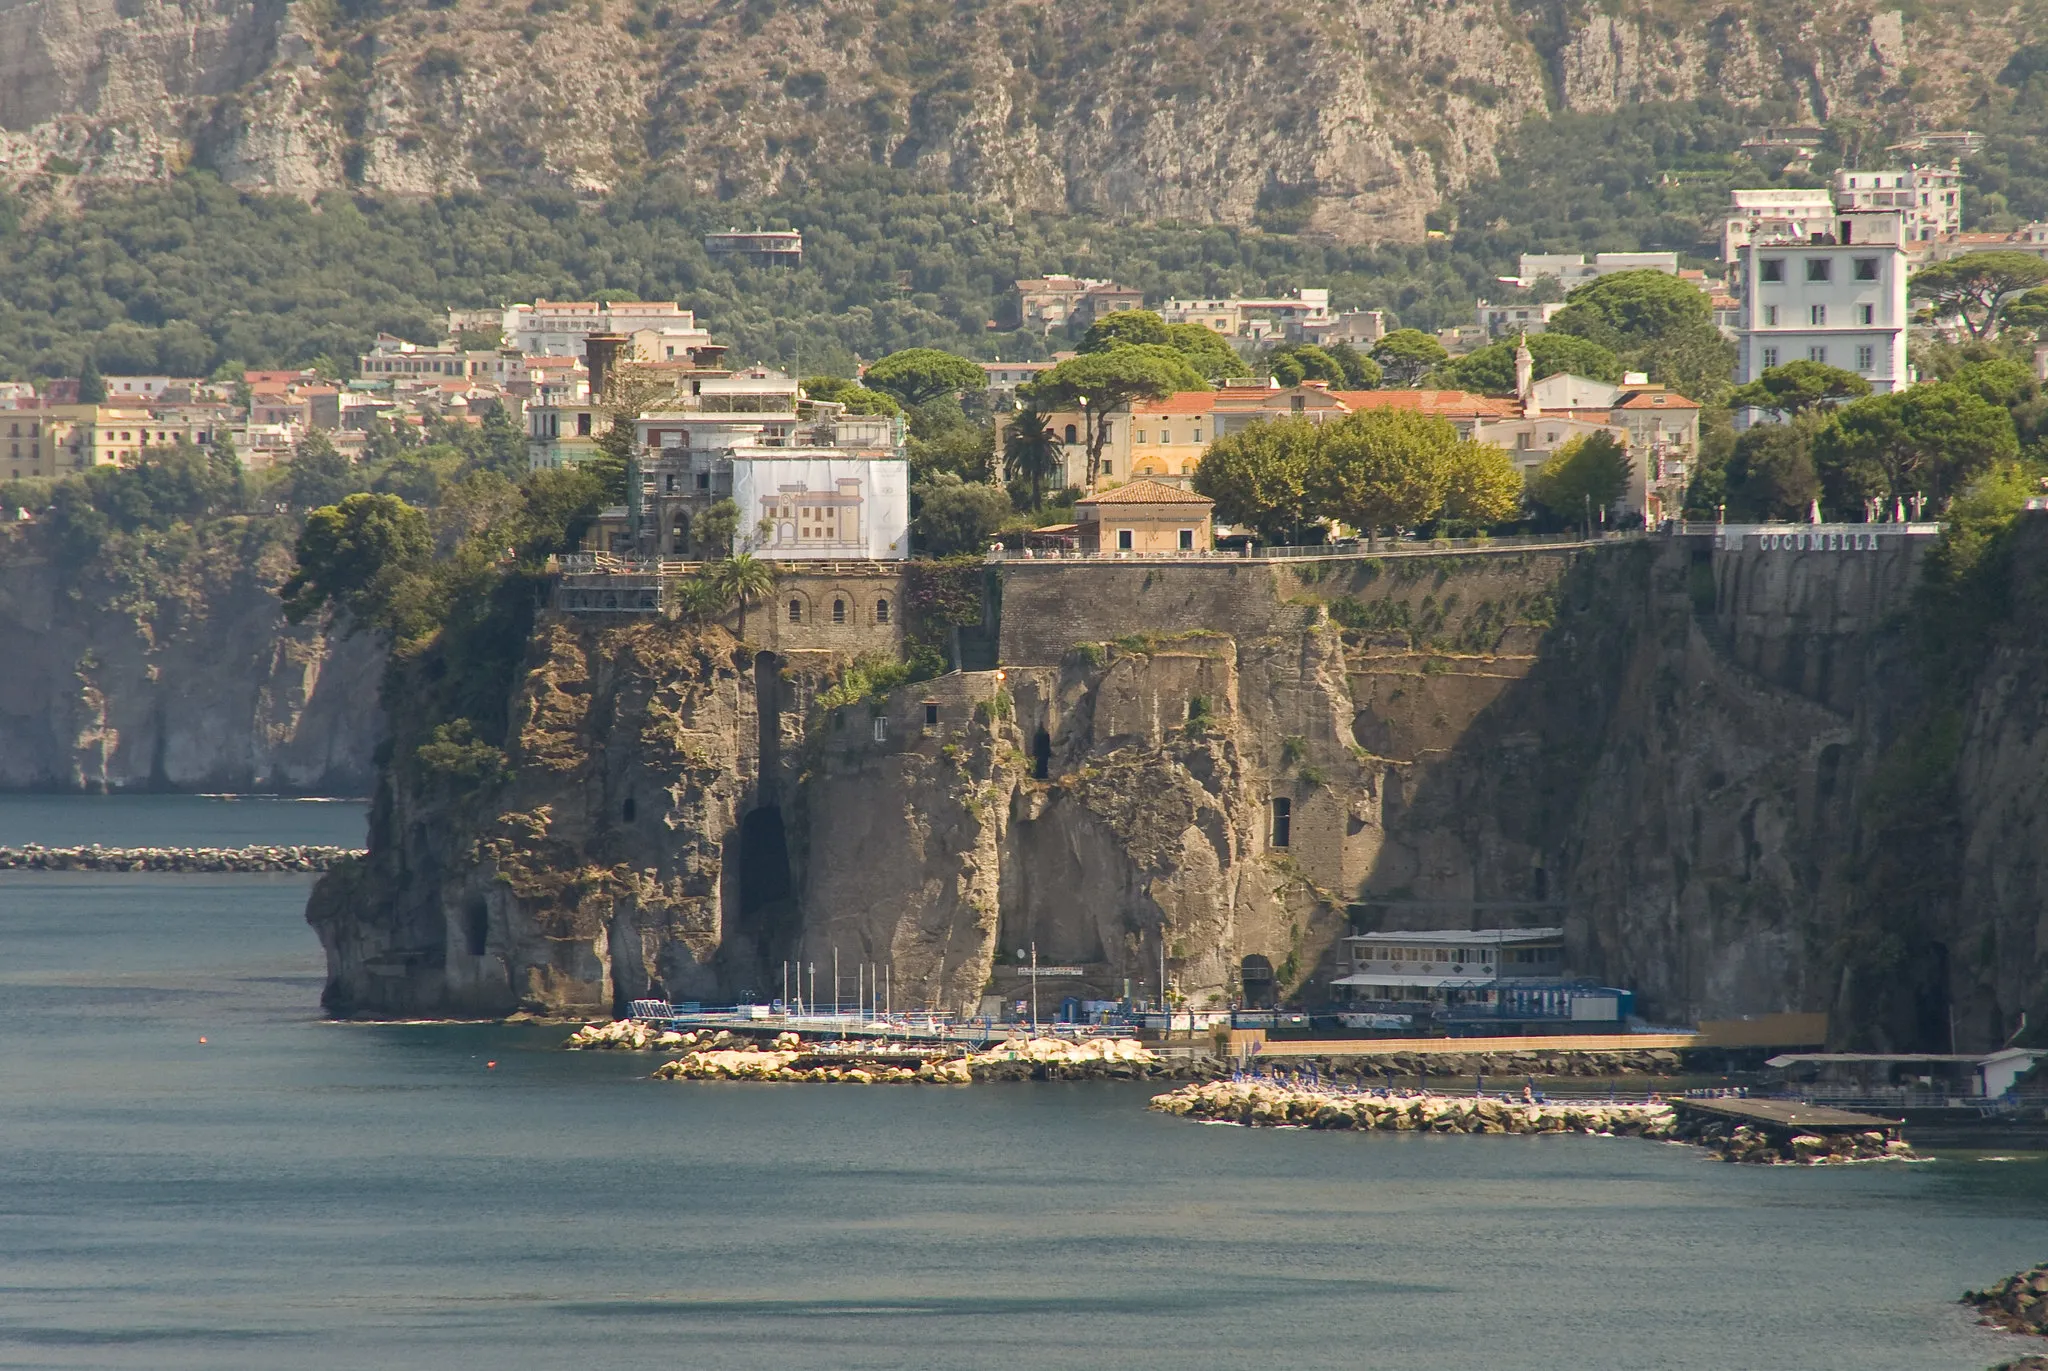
(461, 761)
(364, 557)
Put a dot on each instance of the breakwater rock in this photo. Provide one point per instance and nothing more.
(720, 1055)
(756, 1064)
(2018, 1304)
(1263, 1104)
(1518, 1063)
(1747, 1143)
(187, 859)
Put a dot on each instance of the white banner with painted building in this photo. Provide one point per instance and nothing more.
(824, 508)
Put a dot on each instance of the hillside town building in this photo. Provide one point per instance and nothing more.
(1048, 302)
(812, 482)
(558, 328)
(1776, 214)
(1929, 199)
(760, 247)
(1837, 297)
(1144, 517)
(1572, 269)
(1294, 318)
(1508, 321)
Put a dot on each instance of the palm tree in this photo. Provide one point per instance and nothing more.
(740, 578)
(1032, 453)
(701, 599)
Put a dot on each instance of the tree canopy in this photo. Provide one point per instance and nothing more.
(1208, 352)
(917, 376)
(356, 557)
(1798, 386)
(1102, 384)
(1631, 309)
(1123, 328)
(1491, 370)
(1341, 365)
(857, 398)
(1585, 476)
(1259, 477)
(956, 516)
(1407, 355)
(1385, 469)
(1977, 286)
(1770, 473)
(1928, 439)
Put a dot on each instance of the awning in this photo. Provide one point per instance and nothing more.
(1421, 982)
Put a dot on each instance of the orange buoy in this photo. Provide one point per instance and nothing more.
(491, 1065)
(202, 1042)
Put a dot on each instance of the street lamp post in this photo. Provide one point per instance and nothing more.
(1034, 986)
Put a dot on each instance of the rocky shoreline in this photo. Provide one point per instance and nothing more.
(2018, 1304)
(726, 1056)
(1265, 1104)
(36, 857)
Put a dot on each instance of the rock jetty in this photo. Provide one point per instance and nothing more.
(722, 1055)
(1747, 1143)
(2018, 1304)
(1266, 1104)
(185, 859)
(1262, 1103)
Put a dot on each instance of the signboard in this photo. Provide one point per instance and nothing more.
(823, 508)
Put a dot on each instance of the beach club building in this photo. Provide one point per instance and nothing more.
(1491, 979)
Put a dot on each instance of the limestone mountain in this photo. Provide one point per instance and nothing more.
(1351, 117)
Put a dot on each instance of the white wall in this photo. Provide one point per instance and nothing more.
(875, 524)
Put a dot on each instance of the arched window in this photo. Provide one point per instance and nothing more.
(882, 611)
(1072, 435)
(796, 611)
(839, 611)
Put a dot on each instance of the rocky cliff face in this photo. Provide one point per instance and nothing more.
(178, 672)
(1669, 747)
(1353, 116)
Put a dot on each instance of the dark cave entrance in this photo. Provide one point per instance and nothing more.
(1041, 755)
(476, 926)
(764, 860)
(1260, 991)
(1935, 1023)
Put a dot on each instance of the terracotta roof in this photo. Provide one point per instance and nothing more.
(1143, 492)
(1426, 401)
(1180, 402)
(1657, 399)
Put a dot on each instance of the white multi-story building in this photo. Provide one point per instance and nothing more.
(1836, 297)
(1774, 213)
(1930, 198)
(557, 328)
(1570, 269)
(1290, 317)
(1505, 321)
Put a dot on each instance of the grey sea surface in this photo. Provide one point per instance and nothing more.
(293, 1193)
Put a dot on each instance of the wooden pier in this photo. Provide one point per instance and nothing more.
(1791, 1116)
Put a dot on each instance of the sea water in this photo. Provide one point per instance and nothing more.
(293, 1193)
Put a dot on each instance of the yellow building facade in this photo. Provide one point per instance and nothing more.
(1144, 517)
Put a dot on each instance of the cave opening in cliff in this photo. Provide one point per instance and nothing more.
(1041, 755)
(1936, 1026)
(764, 860)
(768, 728)
(1260, 990)
(476, 926)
